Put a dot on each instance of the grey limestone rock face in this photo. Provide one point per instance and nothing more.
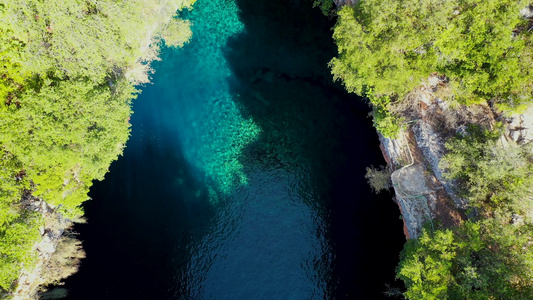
(412, 193)
(415, 214)
(527, 12)
(520, 127)
(340, 3)
(392, 150)
(410, 181)
(432, 146)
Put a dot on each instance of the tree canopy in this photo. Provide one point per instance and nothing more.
(483, 48)
(68, 71)
(482, 51)
(490, 255)
(488, 259)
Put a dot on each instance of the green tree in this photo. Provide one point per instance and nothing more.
(68, 71)
(326, 6)
(491, 175)
(484, 48)
(18, 233)
(489, 256)
(489, 259)
(176, 33)
(426, 265)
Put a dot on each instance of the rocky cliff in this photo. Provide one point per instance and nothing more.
(421, 190)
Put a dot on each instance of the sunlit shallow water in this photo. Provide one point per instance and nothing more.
(243, 177)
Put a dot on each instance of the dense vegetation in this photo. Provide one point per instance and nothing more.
(495, 176)
(482, 52)
(490, 256)
(484, 259)
(68, 71)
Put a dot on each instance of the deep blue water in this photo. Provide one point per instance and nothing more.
(244, 174)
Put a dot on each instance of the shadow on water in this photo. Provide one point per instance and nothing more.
(280, 62)
(262, 129)
(143, 215)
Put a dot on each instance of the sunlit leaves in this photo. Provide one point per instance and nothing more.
(67, 75)
(493, 257)
(488, 259)
(393, 46)
(176, 33)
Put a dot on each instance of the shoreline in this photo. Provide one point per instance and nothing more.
(31, 282)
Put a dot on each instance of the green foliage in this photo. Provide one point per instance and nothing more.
(384, 120)
(176, 33)
(492, 175)
(67, 75)
(482, 47)
(65, 136)
(18, 233)
(426, 265)
(488, 259)
(326, 6)
(75, 38)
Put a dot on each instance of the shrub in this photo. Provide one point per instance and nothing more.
(385, 121)
(64, 262)
(176, 33)
(489, 259)
(326, 6)
(378, 179)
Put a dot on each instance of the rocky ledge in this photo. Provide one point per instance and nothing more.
(421, 190)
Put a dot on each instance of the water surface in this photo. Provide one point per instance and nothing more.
(243, 177)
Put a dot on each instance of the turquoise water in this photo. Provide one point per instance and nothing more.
(213, 133)
(243, 177)
(211, 128)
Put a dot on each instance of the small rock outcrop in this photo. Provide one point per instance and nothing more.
(520, 127)
(527, 12)
(340, 3)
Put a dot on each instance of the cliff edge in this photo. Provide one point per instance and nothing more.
(422, 191)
